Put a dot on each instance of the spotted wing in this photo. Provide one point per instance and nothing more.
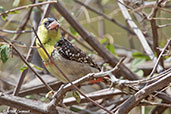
(70, 52)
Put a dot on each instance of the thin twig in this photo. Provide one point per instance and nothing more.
(94, 43)
(135, 99)
(15, 32)
(16, 36)
(88, 77)
(138, 32)
(27, 6)
(106, 17)
(29, 106)
(24, 23)
(101, 94)
(165, 25)
(159, 57)
(75, 38)
(154, 31)
(51, 104)
(22, 58)
(22, 76)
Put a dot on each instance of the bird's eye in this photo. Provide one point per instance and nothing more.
(46, 23)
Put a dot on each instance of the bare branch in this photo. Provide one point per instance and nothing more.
(56, 99)
(154, 30)
(135, 99)
(22, 58)
(27, 6)
(106, 17)
(102, 51)
(30, 106)
(159, 57)
(138, 32)
(15, 32)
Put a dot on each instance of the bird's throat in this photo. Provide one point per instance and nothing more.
(48, 42)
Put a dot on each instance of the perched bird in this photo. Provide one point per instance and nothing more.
(70, 59)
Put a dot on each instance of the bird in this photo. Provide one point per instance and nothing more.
(68, 57)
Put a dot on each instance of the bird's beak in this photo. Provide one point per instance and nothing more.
(53, 25)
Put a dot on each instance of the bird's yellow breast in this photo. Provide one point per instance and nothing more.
(48, 39)
(49, 49)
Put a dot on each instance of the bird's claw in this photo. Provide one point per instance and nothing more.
(50, 94)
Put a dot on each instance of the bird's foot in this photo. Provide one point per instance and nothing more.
(50, 94)
(57, 93)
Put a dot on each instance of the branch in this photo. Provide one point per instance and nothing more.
(30, 106)
(106, 17)
(75, 38)
(24, 23)
(102, 51)
(37, 89)
(85, 78)
(27, 6)
(31, 51)
(15, 32)
(154, 29)
(135, 99)
(22, 58)
(55, 99)
(138, 32)
(159, 57)
(28, 58)
(101, 94)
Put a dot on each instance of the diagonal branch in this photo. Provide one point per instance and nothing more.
(27, 6)
(159, 57)
(106, 17)
(154, 29)
(30, 106)
(102, 51)
(135, 99)
(138, 32)
(23, 59)
(53, 102)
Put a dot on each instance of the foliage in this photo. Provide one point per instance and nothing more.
(76, 95)
(32, 65)
(108, 45)
(4, 52)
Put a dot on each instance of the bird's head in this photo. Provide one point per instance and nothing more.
(48, 30)
(50, 24)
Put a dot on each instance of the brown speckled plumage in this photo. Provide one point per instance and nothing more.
(70, 52)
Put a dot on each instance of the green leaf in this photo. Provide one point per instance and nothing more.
(136, 62)
(140, 73)
(105, 40)
(16, 3)
(23, 68)
(140, 55)
(75, 109)
(111, 48)
(32, 65)
(4, 52)
(2, 9)
(72, 30)
(13, 12)
(30, 96)
(72, 41)
(36, 67)
(76, 96)
(4, 16)
(43, 99)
